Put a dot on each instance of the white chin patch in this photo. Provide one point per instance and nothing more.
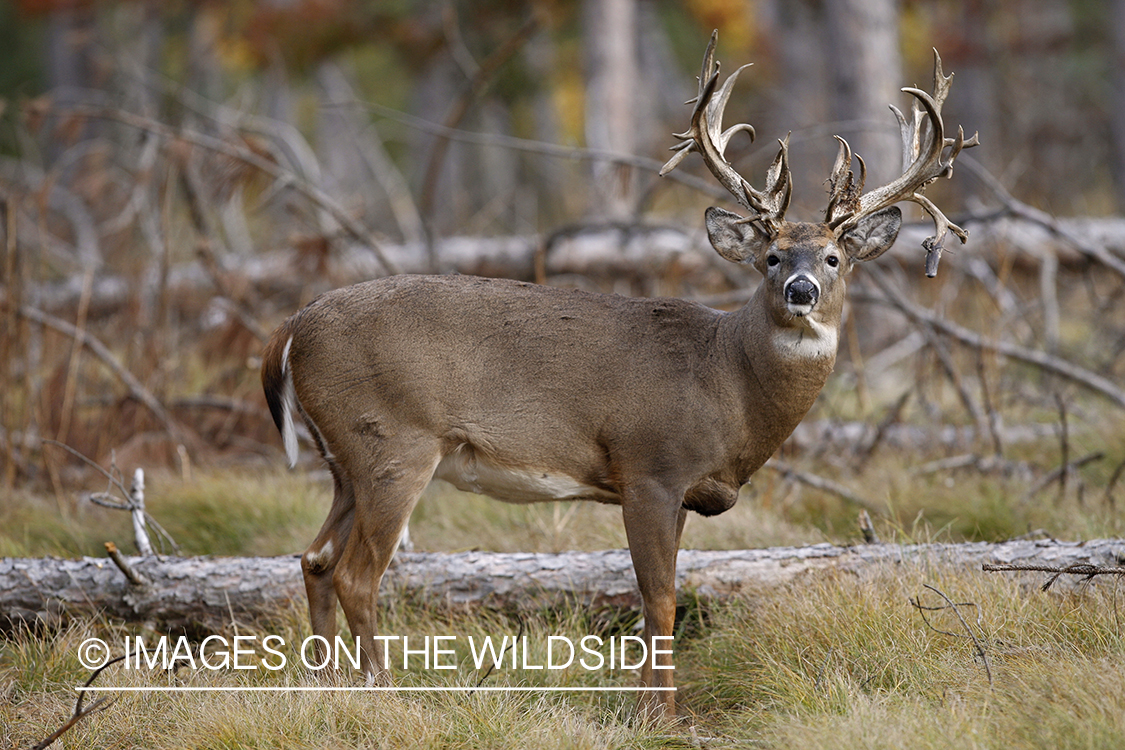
(799, 311)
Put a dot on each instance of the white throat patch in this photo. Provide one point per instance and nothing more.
(809, 339)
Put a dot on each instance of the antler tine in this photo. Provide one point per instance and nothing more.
(706, 136)
(923, 146)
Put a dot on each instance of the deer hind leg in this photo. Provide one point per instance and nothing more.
(654, 519)
(384, 500)
(319, 561)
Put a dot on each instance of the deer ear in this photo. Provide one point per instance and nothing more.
(874, 235)
(733, 237)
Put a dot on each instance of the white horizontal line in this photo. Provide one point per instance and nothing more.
(308, 689)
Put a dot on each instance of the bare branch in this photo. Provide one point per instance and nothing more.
(1040, 359)
(955, 607)
(245, 155)
(1018, 208)
(1076, 569)
(820, 483)
(80, 713)
(102, 352)
(114, 554)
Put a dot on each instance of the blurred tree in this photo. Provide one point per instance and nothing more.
(609, 34)
(1117, 112)
(862, 39)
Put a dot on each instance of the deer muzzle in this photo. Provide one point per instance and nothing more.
(801, 294)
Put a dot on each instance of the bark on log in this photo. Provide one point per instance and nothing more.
(200, 594)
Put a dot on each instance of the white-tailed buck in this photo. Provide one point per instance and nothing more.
(530, 393)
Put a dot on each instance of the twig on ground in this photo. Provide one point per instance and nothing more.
(867, 528)
(502, 652)
(1088, 570)
(955, 607)
(122, 564)
(81, 712)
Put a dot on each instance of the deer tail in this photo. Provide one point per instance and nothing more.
(277, 381)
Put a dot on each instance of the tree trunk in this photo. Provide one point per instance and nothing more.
(199, 593)
(610, 38)
(1117, 114)
(867, 72)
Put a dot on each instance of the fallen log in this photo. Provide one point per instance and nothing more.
(204, 593)
(590, 253)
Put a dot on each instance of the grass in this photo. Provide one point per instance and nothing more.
(826, 661)
(847, 662)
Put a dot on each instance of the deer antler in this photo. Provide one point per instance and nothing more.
(926, 155)
(708, 138)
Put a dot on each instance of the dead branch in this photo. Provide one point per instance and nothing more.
(283, 176)
(984, 464)
(1059, 473)
(480, 80)
(102, 352)
(134, 501)
(1021, 210)
(123, 565)
(956, 609)
(81, 712)
(1040, 359)
(541, 148)
(820, 483)
(893, 415)
(1086, 570)
(867, 528)
(1109, 497)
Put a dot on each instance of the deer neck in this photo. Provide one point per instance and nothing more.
(784, 364)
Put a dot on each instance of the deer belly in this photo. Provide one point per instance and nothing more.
(470, 472)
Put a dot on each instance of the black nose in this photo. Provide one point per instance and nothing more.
(801, 291)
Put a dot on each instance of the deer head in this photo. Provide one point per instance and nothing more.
(860, 225)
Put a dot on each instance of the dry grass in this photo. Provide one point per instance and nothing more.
(827, 661)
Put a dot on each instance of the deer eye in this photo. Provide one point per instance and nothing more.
(832, 260)
(772, 261)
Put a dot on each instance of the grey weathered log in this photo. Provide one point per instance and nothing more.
(202, 593)
(641, 252)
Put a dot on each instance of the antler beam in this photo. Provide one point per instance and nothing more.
(706, 136)
(926, 155)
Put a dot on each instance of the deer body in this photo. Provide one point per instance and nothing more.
(488, 368)
(529, 393)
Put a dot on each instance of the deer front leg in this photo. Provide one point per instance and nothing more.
(654, 519)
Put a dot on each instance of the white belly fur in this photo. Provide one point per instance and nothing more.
(468, 472)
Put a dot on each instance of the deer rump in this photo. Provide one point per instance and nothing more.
(516, 381)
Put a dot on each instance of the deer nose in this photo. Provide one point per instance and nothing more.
(802, 291)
